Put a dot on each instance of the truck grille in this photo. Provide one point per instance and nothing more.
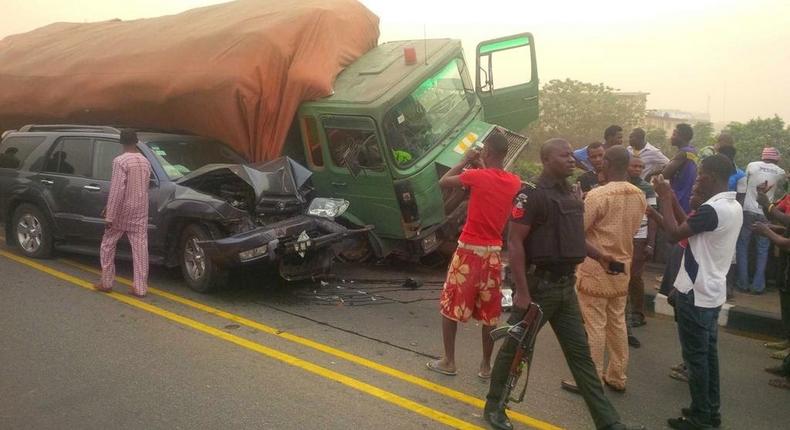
(516, 143)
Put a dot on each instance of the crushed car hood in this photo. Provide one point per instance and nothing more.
(280, 177)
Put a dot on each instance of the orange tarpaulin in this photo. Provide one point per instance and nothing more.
(235, 71)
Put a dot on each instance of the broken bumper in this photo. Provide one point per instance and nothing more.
(298, 236)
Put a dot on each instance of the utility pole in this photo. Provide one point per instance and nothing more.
(724, 104)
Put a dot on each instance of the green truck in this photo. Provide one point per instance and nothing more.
(399, 119)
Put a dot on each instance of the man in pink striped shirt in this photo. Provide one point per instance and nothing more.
(127, 213)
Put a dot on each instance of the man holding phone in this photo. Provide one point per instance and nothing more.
(612, 215)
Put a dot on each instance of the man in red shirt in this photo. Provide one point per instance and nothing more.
(475, 273)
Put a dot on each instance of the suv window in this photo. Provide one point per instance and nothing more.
(103, 153)
(14, 150)
(71, 156)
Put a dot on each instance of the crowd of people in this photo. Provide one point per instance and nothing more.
(578, 249)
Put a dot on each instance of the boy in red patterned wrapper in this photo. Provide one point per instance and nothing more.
(474, 275)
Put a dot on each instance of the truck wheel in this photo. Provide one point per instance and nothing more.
(358, 249)
(199, 272)
(32, 231)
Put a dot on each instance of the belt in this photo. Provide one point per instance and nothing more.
(549, 276)
(479, 248)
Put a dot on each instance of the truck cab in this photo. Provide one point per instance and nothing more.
(399, 118)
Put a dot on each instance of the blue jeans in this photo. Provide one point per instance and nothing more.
(742, 253)
(698, 329)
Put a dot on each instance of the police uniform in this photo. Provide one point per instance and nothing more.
(553, 248)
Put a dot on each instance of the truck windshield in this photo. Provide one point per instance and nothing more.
(421, 120)
(179, 157)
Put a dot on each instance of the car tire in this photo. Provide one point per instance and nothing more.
(199, 272)
(32, 231)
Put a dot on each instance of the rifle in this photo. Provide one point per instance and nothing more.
(524, 333)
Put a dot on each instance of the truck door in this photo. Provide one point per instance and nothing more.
(507, 80)
(353, 167)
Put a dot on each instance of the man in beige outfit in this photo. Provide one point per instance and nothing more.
(612, 215)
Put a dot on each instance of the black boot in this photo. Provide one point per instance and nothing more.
(497, 418)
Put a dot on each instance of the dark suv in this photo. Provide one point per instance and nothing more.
(209, 209)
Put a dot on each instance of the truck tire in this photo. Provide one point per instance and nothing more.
(200, 273)
(32, 231)
(358, 251)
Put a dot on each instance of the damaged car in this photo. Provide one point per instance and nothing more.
(209, 210)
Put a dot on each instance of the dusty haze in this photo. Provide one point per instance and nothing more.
(729, 58)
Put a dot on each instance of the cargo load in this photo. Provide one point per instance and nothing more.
(236, 71)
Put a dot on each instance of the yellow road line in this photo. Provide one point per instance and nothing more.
(269, 352)
(407, 377)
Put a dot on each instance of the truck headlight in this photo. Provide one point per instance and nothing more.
(253, 253)
(327, 208)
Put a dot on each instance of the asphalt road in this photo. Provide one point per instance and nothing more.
(263, 355)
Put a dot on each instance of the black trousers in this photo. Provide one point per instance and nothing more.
(698, 330)
(561, 310)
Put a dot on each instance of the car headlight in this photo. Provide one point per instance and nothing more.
(327, 208)
(253, 253)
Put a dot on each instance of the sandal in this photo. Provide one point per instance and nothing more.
(434, 365)
(780, 355)
(780, 383)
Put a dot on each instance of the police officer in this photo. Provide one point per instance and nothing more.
(546, 242)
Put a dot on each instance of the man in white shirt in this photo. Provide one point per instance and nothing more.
(758, 173)
(654, 159)
(700, 288)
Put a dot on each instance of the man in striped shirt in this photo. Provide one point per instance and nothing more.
(127, 213)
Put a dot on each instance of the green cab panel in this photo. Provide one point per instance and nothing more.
(507, 81)
(472, 135)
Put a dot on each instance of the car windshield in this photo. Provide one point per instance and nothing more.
(420, 121)
(179, 157)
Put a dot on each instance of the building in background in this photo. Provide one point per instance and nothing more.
(667, 119)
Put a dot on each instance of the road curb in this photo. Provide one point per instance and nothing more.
(733, 317)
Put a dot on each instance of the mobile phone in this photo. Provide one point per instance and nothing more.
(616, 267)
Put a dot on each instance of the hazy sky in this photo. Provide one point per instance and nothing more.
(728, 57)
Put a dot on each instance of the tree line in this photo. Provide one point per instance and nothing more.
(580, 111)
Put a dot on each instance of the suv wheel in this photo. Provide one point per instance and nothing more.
(199, 272)
(32, 231)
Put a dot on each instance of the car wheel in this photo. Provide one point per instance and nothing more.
(199, 272)
(32, 231)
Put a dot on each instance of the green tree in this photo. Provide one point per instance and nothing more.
(656, 137)
(526, 169)
(751, 137)
(703, 134)
(580, 111)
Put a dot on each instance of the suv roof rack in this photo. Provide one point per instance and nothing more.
(69, 127)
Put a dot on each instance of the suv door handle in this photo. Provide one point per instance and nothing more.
(339, 184)
(47, 182)
(92, 188)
